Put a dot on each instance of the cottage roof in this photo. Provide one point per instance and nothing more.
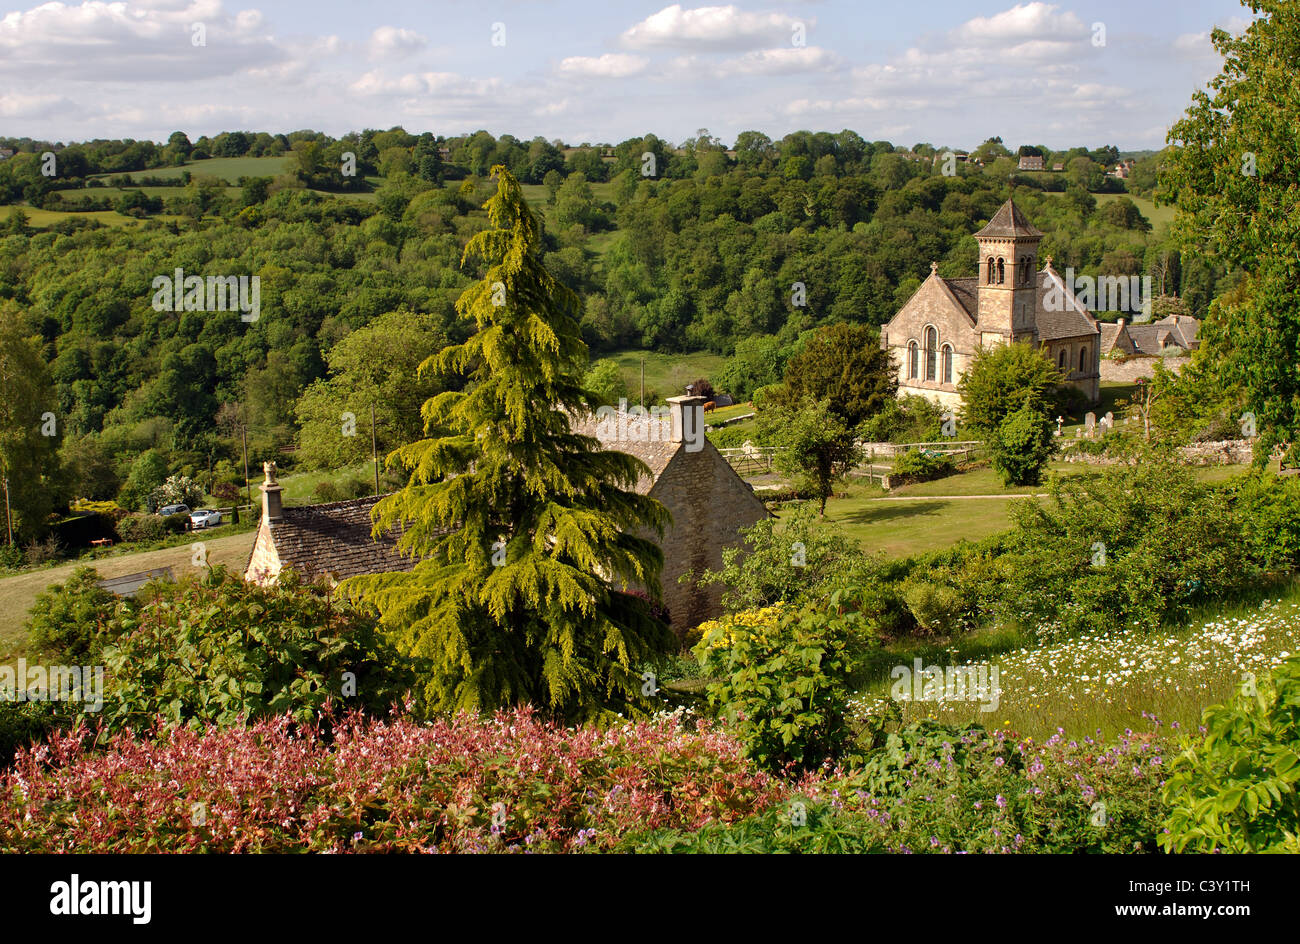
(1185, 328)
(650, 441)
(1009, 222)
(1110, 333)
(334, 538)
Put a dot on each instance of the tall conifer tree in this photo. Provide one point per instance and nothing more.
(529, 535)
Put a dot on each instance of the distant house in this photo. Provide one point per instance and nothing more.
(1058, 167)
(1031, 162)
(709, 504)
(1123, 169)
(6, 153)
(1177, 332)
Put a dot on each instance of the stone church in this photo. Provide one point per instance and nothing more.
(934, 336)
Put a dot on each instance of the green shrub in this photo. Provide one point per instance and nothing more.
(937, 608)
(69, 622)
(780, 676)
(1235, 788)
(1268, 508)
(921, 465)
(1132, 547)
(782, 560)
(11, 558)
(1022, 445)
(214, 648)
(178, 523)
(141, 528)
(23, 723)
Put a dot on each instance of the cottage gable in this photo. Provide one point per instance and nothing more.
(708, 503)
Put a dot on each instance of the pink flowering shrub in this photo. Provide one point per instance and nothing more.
(511, 782)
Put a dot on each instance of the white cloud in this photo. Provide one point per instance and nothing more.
(389, 42)
(726, 27)
(1023, 21)
(780, 62)
(609, 66)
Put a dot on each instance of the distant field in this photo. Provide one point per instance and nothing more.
(40, 219)
(666, 375)
(229, 169)
(1159, 216)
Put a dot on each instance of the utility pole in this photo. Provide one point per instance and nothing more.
(9, 521)
(243, 435)
(374, 450)
(642, 401)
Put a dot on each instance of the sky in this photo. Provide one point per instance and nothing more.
(945, 72)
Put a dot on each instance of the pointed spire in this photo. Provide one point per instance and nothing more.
(1009, 223)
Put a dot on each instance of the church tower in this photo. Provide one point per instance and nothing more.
(1008, 277)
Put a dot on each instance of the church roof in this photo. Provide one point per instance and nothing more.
(1072, 321)
(966, 291)
(1009, 222)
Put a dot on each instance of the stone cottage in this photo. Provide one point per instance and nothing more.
(709, 504)
(934, 336)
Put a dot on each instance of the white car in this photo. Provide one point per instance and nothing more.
(205, 518)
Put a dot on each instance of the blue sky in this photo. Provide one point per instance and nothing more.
(942, 71)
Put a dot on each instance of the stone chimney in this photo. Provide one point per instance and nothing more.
(272, 504)
(687, 415)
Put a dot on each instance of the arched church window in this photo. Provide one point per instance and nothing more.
(1002, 271)
(947, 363)
(913, 360)
(931, 352)
(1083, 358)
(991, 270)
(1060, 361)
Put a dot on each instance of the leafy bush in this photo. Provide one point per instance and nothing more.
(937, 608)
(141, 528)
(905, 419)
(1022, 445)
(1130, 548)
(23, 723)
(11, 558)
(1268, 509)
(178, 523)
(1235, 789)
(781, 677)
(781, 560)
(42, 551)
(508, 783)
(921, 465)
(213, 649)
(70, 621)
(176, 490)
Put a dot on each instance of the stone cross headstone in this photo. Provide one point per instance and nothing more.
(1059, 421)
(1090, 424)
(1109, 420)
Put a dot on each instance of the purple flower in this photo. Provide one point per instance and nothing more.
(1001, 802)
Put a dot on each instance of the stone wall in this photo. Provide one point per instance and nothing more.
(709, 504)
(1225, 452)
(1130, 369)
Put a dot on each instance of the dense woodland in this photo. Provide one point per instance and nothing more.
(689, 248)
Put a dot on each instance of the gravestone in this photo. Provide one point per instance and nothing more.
(1090, 425)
